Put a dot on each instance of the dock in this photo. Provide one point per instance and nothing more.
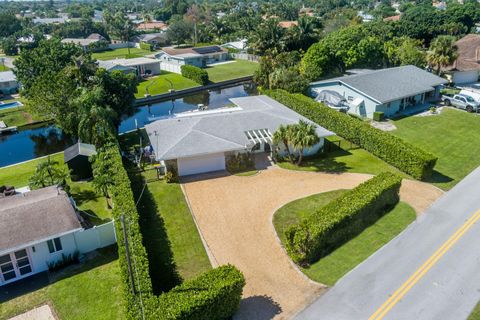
(5, 129)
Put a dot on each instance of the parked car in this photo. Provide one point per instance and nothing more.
(333, 100)
(461, 101)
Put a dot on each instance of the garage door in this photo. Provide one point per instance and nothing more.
(465, 77)
(202, 164)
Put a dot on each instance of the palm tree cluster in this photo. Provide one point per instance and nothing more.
(298, 137)
(443, 52)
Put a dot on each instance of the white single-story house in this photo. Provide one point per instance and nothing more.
(171, 59)
(466, 68)
(199, 141)
(8, 82)
(389, 90)
(154, 39)
(38, 228)
(141, 66)
(50, 20)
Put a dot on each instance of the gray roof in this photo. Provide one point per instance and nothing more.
(151, 36)
(391, 84)
(35, 216)
(80, 41)
(79, 149)
(7, 76)
(111, 65)
(220, 130)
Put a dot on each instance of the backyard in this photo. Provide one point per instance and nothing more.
(332, 267)
(91, 290)
(228, 71)
(17, 116)
(162, 83)
(452, 136)
(120, 53)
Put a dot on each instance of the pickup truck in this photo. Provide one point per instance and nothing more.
(461, 101)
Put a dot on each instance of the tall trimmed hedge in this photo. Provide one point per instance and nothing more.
(196, 74)
(393, 150)
(215, 294)
(342, 219)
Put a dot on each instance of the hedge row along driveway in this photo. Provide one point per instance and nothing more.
(393, 150)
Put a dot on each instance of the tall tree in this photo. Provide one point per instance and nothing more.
(304, 136)
(49, 173)
(282, 135)
(120, 27)
(9, 24)
(442, 52)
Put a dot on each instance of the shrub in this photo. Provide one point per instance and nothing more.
(378, 116)
(195, 73)
(342, 219)
(146, 46)
(214, 295)
(239, 162)
(171, 176)
(393, 150)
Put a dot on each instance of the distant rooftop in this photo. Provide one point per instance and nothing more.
(35, 216)
(190, 52)
(7, 76)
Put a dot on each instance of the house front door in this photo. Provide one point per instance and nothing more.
(14, 265)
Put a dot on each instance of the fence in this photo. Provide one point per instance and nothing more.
(118, 45)
(97, 237)
(245, 56)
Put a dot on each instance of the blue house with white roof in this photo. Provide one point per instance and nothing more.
(390, 91)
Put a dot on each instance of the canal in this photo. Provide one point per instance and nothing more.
(35, 141)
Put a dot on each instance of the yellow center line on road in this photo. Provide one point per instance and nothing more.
(420, 272)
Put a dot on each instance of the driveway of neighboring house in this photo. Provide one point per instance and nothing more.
(234, 215)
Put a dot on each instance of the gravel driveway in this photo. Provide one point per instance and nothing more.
(234, 215)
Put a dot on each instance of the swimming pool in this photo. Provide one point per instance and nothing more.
(10, 105)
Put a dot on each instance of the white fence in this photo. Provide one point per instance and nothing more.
(170, 67)
(97, 237)
(245, 56)
(118, 45)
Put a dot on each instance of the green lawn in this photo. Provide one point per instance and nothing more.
(16, 116)
(332, 267)
(162, 83)
(4, 68)
(453, 136)
(83, 193)
(344, 160)
(120, 53)
(227, 71)
(475, 315)
(92, 291)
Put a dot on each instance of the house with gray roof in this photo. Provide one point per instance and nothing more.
(199, 141)
(390, 91)
(141, 66)
(8, 82)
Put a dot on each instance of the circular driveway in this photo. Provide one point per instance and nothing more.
(234, 215)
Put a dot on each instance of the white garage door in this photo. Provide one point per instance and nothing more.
(201, 164)
(465, 77)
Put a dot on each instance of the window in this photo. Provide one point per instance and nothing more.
(54, 245)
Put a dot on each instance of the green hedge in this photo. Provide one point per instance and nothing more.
(342, 219)
(378, 115)
(214, 295)
(393, 150)
(195, 73)
(146, 46)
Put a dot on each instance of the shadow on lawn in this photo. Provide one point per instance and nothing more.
(438, 177)
(163, 270)
(327, 162)
(41, 280)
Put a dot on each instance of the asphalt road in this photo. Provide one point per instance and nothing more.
(430, 271)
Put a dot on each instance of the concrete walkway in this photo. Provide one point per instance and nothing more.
(41, 313)
(234, 215)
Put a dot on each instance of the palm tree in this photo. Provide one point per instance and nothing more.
(304, 136)
(442, 52)
(49, 173)
(269, 36)
(283, 135)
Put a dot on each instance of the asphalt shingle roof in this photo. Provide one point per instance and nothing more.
(34, 216)
(83, 149)
(216, 131)
(391, 84)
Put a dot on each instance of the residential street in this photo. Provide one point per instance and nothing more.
(430, 271)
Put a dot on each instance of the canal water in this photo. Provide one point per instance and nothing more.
(35, 141)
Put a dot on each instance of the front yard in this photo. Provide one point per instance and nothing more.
(162, 83)
(228, 71)
(453, 136)
(120, 53)
(332, 267)
(91, 290)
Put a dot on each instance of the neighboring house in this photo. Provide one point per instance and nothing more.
(287, 24)
(171, 59)
(141, 66)
(392, 18)
(49, 20)
(84, 43)
(8, 82)
(240, 45)
(198, 142)
(156, 40)
(365, 16)
(389, 90)
(38, 227)
(466, 69)
(153, 25)
(441, 5)
(96, 36)
(77, 159)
